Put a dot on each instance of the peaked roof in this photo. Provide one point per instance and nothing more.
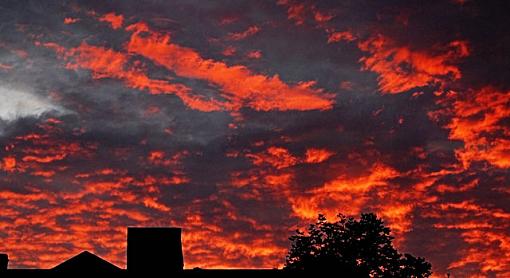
(86, 262)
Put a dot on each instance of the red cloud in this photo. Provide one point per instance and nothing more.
(239, 85)
(275, 156)
(111, 195)
(229, 51)
(400, 68)
(321, 17)
(252, 30)
(314, 155)
(346, 193)
(115, 21)
(341, 36)
(8, 164)
(107, 63)
(295, 12)
(70, 20)
(255, 54)
(98, 202)
(478, 119)
(485, 232)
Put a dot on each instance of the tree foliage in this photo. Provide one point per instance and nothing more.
(354, 248)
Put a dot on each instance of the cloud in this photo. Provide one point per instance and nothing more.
(115, 21)
(245, 34)
(240, 150)
(479, 119)
(107, 63)
(239, 85)
(401, 68)
(17, 104)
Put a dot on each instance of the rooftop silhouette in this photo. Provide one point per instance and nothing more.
(349, 247)
(86, 262)
(150, 250)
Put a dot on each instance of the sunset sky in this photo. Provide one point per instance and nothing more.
(240, 121)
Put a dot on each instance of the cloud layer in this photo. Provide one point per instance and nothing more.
(242, 122)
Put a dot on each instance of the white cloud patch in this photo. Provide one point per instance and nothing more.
(16, 104)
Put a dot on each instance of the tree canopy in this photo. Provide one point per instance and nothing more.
(354, 248)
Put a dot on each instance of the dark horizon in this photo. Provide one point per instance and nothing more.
(242, 120)
(155, 249)
(150, 251)
(351, 247)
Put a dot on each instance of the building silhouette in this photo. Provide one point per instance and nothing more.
(4, 261)
(151, 251)
(155, 249)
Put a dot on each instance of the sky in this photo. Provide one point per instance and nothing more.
(241, 121)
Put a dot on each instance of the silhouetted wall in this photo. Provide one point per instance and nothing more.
(4, 261)
(154, 250)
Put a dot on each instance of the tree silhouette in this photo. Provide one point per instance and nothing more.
(354, 248)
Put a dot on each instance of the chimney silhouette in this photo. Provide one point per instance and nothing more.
(157, 250)
(4, 261)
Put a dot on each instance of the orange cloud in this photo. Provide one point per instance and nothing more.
(152, 202)
(341, 36)
(70, 20)
(485, 232)
(156, 156)
(8, 164)
(107, 63)
(353, 191)
(101, 201)
(477, 119)
(401, 68)
(252, 30)
(346, 194)
(239, 85)
(314, 155)
(50, 152)
(41, 151)
(489, 251)
(275, 156)
(103, 217)
(298, 12)
(443, 188)
(203, 239)
(160, 158)
(295, 12)
(115, 20)
(322, 17)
